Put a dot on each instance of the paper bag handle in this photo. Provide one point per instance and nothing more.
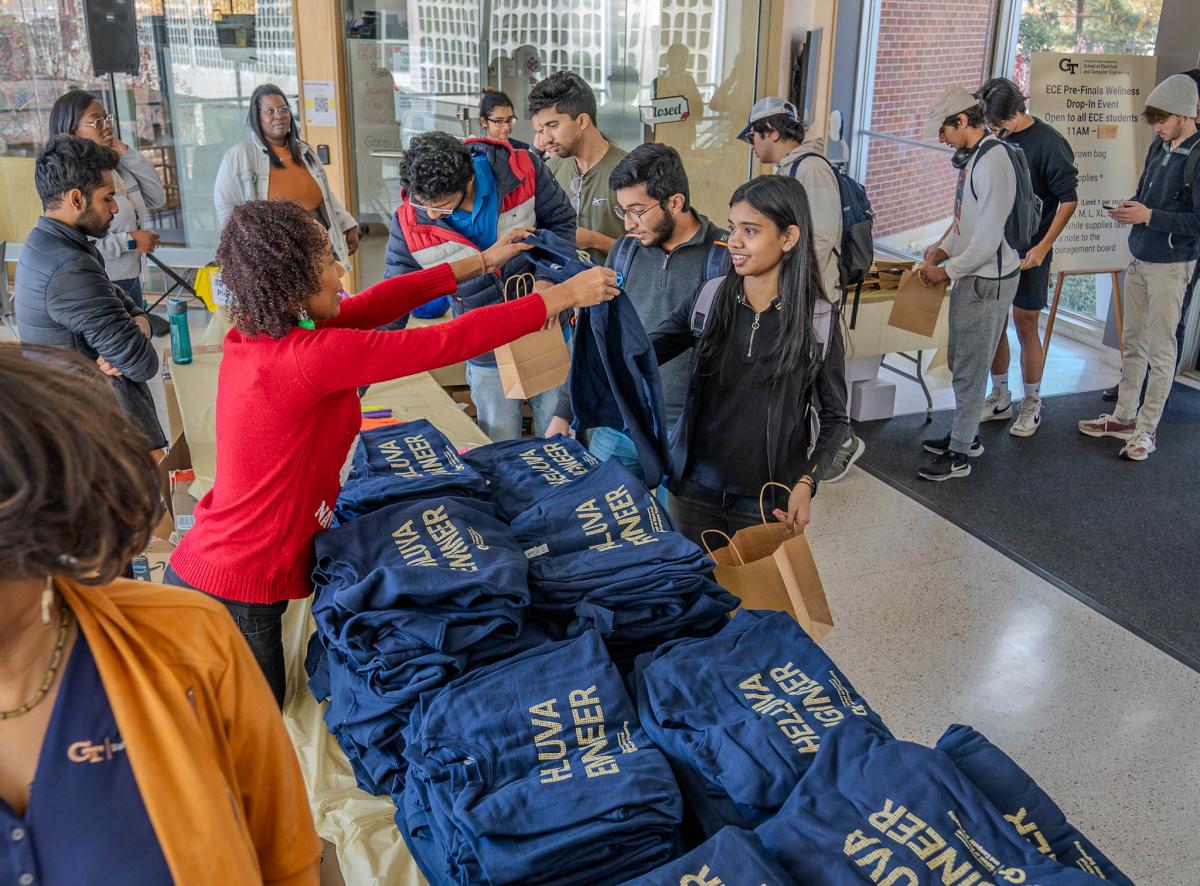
(762, 495)
(728, 542)
(522, 285)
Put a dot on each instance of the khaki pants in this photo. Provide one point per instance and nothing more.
(1153, 300)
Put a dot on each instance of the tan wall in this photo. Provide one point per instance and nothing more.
(321, 55)
(20, 208)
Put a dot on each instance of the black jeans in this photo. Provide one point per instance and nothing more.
(695, 508)
(262, 626)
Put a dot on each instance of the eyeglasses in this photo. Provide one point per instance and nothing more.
(99, 123)
(623, 213)
(577, 191)
(439, 210)
(282, 111)
(501, 121)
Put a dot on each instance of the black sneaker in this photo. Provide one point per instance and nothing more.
(941, 446)
(1109, 395)
(944, 466)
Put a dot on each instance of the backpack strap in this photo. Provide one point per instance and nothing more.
(716, 261)
(702, 307)
(1190, 166)
(985, 145)
(823, 319)
(623, 257)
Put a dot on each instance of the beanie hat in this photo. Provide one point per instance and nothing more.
(1175, 95)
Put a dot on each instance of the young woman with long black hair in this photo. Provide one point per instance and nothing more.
(767, 361)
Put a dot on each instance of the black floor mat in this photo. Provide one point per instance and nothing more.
(1122, 536)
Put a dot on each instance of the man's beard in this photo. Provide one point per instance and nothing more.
(90, 223)
(665, 229)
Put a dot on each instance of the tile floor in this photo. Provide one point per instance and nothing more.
(934, 627)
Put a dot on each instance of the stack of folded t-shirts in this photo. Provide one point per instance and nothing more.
(604, 555)
(520, 473)
(742, 714)
(404, 462)
(1024, 805)
(733, 857)
(407, 598)
(872, 809)
(535, 770)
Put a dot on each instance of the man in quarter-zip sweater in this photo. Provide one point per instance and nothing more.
(983, 267)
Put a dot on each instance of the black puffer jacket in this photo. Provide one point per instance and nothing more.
(64, 299)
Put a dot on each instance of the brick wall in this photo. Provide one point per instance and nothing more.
(922, 47)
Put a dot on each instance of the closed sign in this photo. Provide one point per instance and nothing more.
(672, 109)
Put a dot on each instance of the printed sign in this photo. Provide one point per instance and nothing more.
(320, 108)
(1094, 101)
(672, 109)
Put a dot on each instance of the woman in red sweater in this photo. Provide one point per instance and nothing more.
(287, 403)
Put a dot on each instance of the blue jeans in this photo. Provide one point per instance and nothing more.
(605, 443)
(500, 417)
(133, 289)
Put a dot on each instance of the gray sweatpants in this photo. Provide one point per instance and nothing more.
(978, 312)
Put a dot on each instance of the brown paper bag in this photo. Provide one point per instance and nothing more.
(534, 363)
(768, 567)
(917, 306)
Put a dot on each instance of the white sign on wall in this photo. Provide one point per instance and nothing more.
(1094, 102)
(319, 103)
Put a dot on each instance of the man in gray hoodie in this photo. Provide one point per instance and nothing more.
(982, 266)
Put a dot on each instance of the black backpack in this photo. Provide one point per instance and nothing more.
(856, 251)
(1020, 228)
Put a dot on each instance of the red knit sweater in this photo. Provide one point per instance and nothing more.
(287, 414)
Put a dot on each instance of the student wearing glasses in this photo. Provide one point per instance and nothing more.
(274, 164)
(137, 190)
(458, 200)
(497, 119)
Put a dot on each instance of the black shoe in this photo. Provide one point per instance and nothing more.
(1109, 395)
(941, 446)
(944, 466)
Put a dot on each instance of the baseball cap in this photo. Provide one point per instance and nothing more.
(953, 101)
(768, 107)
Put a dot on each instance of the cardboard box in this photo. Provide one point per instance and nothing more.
(175, 476)
(871, 400)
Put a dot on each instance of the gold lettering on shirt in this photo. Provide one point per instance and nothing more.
(449, 540)
(907, 830)
(790, 722)
(1030, 831)
(407, 541)
(544, 717)
(703, 877)
(589, 733)
(591, 737)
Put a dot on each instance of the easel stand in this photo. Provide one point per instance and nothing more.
(1058, 285)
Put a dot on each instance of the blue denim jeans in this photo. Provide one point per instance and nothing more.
(500, 417)
(605, 443)
(133, 288)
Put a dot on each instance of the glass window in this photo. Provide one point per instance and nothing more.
(1128, 28)
(910, 181)
(630, 51)
(186, 106)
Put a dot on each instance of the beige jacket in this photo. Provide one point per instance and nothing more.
(825, 202)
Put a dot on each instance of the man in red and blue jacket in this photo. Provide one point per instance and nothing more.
(458, 200)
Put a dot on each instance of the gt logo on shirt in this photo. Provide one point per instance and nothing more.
(87, 752)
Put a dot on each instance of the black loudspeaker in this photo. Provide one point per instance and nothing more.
(112, 35)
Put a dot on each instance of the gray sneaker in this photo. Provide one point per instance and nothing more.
(843, 458)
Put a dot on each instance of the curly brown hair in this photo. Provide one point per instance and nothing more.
(79, 490)
(272, 254)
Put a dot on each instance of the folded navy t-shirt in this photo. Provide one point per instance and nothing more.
(733, 857)
(522, 472)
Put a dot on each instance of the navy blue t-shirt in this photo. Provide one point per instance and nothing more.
(86, 822)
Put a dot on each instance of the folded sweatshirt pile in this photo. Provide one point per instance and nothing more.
(407, 598)
(535, 770)
(603, 555)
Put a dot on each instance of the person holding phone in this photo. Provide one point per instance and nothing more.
(1164, 240)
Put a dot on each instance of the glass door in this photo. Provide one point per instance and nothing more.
(418, 66)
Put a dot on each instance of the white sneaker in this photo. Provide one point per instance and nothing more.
(1139, 446)
(997, 406)
(1029, 416)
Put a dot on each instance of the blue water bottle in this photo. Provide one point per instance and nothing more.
(181, 339)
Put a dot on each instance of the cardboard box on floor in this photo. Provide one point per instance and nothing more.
(768, 567)
(175, 477)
